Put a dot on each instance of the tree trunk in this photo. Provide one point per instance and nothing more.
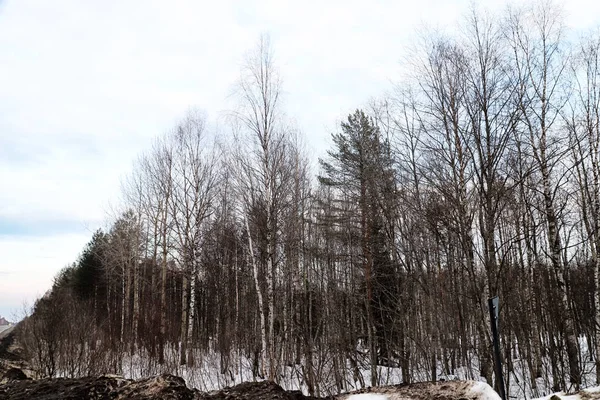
(184, 322)
(136, 306)
(261, 306)
(192, 314)
(554, 243)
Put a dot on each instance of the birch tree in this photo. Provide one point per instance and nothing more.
(193, 192)
(263, 178)
(583, 122)
(540, 53)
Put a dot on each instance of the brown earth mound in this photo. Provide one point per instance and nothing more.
(255, 391)
(160, 387)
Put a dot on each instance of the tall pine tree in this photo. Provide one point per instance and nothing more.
(359, 168)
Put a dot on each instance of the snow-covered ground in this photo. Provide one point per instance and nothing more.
(444, 390)
(215, 371)
(585, 394)
(4, 327)
(212, 370)
(209, 373)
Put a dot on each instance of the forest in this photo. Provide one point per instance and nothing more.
(234, 257)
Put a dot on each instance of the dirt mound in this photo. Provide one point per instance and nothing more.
(159, 387)
(13, 374)
(255, 391)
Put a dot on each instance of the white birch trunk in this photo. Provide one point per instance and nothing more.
(191, 315)
(261, 306)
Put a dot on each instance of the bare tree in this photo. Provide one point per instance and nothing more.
(542, 60)
(263, 175)
(193, 191)
(583, 122)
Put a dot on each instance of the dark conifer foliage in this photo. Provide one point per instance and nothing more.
(88, 277)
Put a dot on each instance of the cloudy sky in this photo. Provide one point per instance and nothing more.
(86, 85)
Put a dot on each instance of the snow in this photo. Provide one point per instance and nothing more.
(578, 396)
(484, 391)
(207, 374)
(5, 328)
(562, 396)
(213, 370)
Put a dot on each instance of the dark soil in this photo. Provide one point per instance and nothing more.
(160, 387)
(255, 390)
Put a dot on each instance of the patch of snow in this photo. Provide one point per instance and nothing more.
(484, 391)
(561, 395)
(577, 396)
(213, 370)
(448, 377)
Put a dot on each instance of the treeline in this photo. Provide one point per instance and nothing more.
(479, 176)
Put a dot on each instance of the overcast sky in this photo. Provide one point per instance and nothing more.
(86, 85)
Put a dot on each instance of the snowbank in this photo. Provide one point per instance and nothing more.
(484, 391)
(467, 390)
(585, 394)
